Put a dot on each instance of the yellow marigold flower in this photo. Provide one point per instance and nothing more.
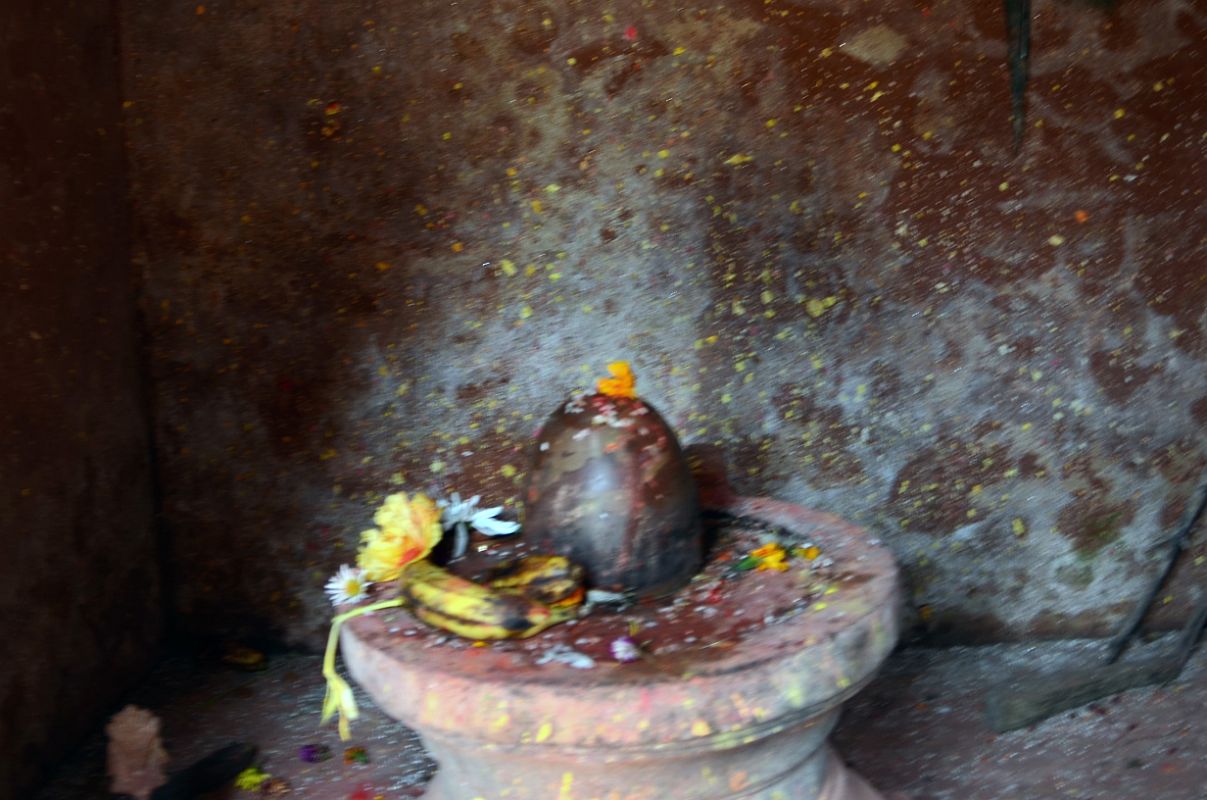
(811, 552)
(770, 556)
(406, 531)
(776, 564)
(622, 382)
(769, 550)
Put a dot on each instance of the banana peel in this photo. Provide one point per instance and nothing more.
(555, 581)
(521, 599)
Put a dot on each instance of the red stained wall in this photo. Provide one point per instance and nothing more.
(382, 241)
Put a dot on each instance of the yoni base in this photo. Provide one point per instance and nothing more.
(770, 769)
(746, 719)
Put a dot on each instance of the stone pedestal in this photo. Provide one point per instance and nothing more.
(748, 721)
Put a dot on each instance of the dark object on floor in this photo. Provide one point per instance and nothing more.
(211, 773)
(1018, 58)
(1030, 698)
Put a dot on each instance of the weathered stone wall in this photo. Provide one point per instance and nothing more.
(80, 606)
(383, 240)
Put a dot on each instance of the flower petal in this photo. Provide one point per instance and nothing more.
(461, 540)
(625, 649)
(495, 527)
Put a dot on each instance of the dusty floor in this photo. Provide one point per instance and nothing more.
(917, 732)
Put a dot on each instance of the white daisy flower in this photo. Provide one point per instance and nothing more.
(460, 515)
(347, 586)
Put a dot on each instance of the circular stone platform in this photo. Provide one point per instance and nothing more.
(743, 681)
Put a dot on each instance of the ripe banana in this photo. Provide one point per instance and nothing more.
(477, 629)
(473, 610)
(555, 581)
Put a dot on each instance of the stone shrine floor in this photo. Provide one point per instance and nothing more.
(916, 733)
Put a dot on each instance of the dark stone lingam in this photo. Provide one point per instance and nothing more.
(610, 488)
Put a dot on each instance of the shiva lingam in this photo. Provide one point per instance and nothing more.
(746, 623)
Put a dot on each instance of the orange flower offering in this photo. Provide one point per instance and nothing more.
(621, 384)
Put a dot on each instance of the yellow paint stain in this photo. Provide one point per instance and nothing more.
(500, 722)
(795, 695)
(818, 306)
(567, 786)
(701, 728)
(544, 732)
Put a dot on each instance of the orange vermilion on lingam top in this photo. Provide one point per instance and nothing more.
(622, 383)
